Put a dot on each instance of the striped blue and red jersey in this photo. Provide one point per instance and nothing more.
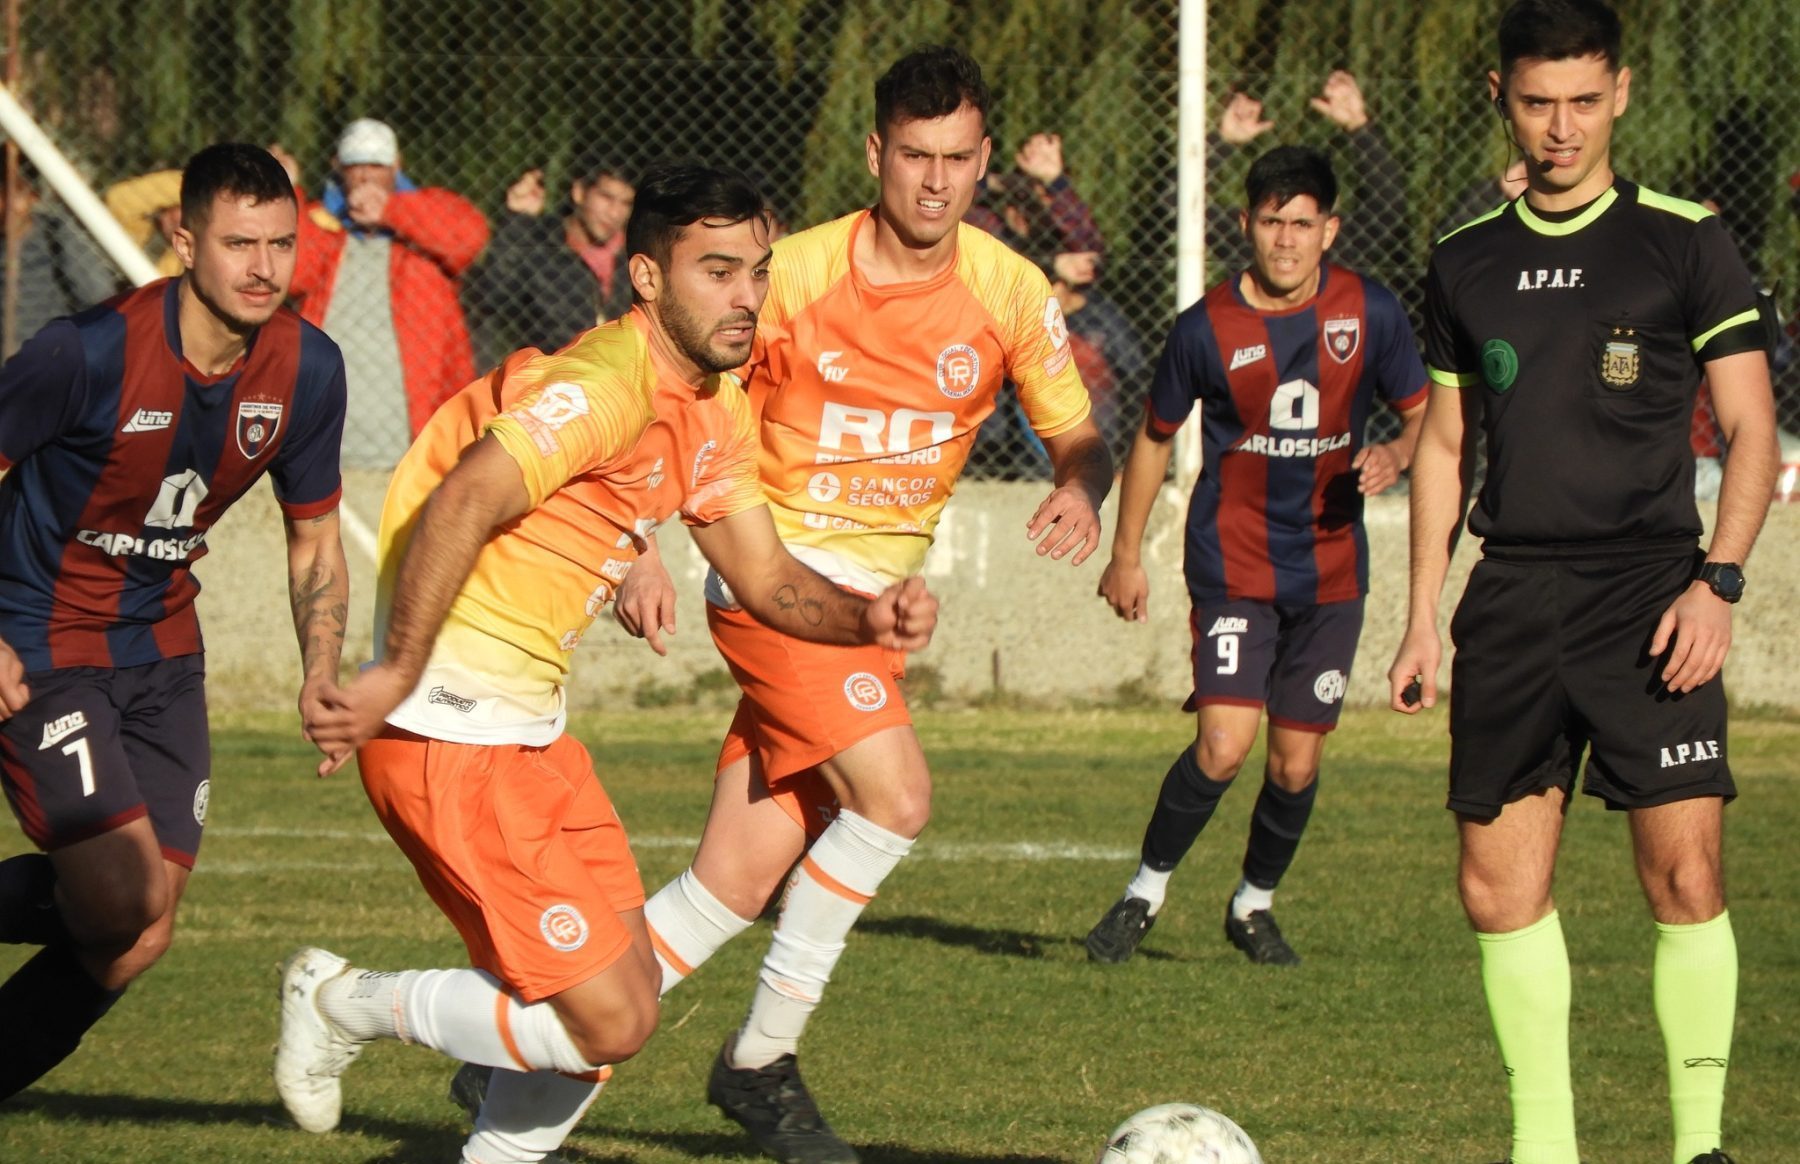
(1284, 396)
(120, 455)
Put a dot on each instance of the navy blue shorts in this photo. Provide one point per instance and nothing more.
(97, 748)
(1294, 660)
(1553, 660)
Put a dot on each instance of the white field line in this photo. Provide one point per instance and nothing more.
(1026, 851)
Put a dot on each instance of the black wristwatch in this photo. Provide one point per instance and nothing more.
(1725, 578)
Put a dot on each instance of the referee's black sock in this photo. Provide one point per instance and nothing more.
(1276, 825)
(28, 913)
(1183, 807)
(45, 1008)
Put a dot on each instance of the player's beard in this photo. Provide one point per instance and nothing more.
(692, 336)
(235, 320)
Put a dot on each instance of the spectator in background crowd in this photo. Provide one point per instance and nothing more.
(378, 265)
(1373, 238)
(61, 271)
(1035, 210)
(149, 208)
(1105, 347)
(1038, 213)
(544, 279)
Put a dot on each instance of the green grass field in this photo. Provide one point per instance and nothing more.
(964, 1024)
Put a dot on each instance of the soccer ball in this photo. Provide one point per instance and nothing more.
(1178, 1133)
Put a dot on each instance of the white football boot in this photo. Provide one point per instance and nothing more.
(313, 1051)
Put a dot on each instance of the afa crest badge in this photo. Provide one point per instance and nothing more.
(1619, 360)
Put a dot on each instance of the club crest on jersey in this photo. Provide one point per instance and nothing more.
(1619, 360)
(958, 370)
(257, 423)
(1342, 338)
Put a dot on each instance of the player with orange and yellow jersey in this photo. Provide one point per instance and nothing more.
(884, 343)
(524, 502)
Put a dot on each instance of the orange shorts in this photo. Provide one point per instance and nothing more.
(803, 704)
(520, 847)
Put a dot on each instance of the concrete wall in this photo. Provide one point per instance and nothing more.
(1010, 620)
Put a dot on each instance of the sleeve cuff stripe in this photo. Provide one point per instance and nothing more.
(305, 511)
(1452, 379)
(1741, 317)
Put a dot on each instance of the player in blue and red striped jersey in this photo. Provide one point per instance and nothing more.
(1286, 360)
(125, 432)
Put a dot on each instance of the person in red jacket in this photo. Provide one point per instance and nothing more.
(378, 268)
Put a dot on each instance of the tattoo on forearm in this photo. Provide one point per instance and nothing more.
(320, 615)
(809, 609)
(1087, 462)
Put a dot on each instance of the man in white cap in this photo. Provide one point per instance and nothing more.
(379, 262)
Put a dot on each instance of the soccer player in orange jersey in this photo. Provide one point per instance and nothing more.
(885, 339)
(509, 523)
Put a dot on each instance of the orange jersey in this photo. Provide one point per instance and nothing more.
(869, 396)
(610, 442)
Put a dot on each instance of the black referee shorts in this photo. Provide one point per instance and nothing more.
(1552, 659)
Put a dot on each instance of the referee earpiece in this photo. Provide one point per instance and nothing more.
(1500, 106)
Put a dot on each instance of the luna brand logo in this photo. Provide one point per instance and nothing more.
(62, 727)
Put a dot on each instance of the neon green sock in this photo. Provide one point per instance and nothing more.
(1526, 976)
(1695, 987)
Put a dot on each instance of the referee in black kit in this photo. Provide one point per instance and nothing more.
(1573, 325)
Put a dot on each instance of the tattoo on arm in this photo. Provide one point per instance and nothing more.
(812, 610)
(320, 615)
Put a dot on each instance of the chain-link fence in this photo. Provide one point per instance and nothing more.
(517, 125)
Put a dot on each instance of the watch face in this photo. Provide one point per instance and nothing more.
(1726, 580)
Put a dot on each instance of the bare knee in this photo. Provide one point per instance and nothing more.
(1500, 904)
(908, 811)
(120, 919)
(115, 973)
(902, 806)
(615, 1033)
(1685, 892)
(1292, 773)
(1220, 753)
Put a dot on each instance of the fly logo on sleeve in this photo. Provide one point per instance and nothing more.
(830, 370)
(1057, 328)
(555, 407)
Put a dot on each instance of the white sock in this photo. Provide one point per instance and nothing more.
(1151, 885)
(463, 1013)
(527, 1115)
(836, 879)
(687, 926)
(1249, 899)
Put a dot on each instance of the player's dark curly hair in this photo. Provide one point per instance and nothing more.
(231, 168)
(1559, 30)
(1286, 172)
(930, 82)
(674, 195)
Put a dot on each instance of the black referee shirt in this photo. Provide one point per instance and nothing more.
(1585, 334)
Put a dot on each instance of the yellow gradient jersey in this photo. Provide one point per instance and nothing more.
(868, 397)
(610, 442)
